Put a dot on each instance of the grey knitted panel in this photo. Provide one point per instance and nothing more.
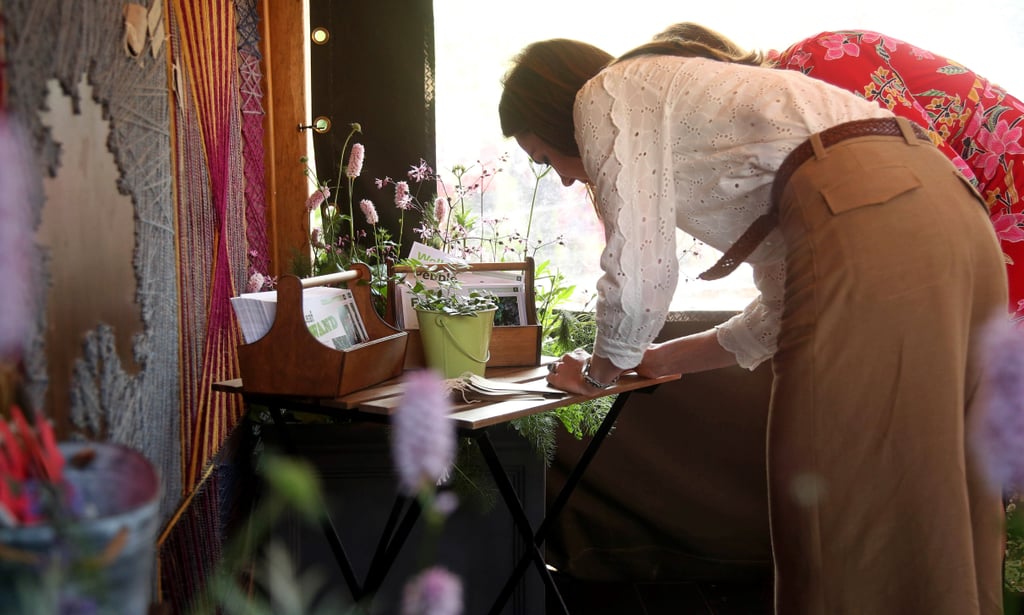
(63, 39)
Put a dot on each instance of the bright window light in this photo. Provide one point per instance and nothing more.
(475, 41)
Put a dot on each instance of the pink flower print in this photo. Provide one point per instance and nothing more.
(838, 46)
(997, 143)
(799, 59)
(874, 37)
(355, 161)
(997, 436)
(1009, 227)
(402, 198)
(974, 124)
(435, 591)
(317, 198)
(369, 211)
(964, 168)
(423, 440)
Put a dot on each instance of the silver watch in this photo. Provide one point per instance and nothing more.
(594, 383)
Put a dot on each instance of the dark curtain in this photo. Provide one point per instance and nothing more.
(376, 69)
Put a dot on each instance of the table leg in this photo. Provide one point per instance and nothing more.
(326, 524)
(515, 507)
(391, 541)
(560, 501)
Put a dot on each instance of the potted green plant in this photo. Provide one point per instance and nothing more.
(455, 324)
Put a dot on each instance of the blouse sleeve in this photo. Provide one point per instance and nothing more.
(752, 335)
(629, 164)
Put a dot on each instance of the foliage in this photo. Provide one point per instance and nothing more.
(1013, 571)
(571, 330)
(334, 244)
(256, 575)
(445, 296)
(452, 214)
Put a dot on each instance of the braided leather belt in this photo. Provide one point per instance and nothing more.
(755, 234)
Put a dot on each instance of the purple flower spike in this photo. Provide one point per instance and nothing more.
(402, 198)
(355, 161)
(317, 198)
(435, 591)
(440, 209)
(998, 436)
(423, 442)
(16, 237)
(369, 211)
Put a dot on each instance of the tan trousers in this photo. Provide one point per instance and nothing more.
(876, 506)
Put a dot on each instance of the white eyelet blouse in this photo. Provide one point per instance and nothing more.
(691, 143)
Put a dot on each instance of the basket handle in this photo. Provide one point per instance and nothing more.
(451, 336)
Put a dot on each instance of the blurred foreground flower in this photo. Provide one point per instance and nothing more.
(423, 444)
(16, 235)
(435, 591)
(998, 438)
(32, 486)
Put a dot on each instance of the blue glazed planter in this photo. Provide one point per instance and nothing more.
(100, 562)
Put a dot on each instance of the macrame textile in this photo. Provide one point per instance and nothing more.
(64, 40)
(253, 116)
(205, 56)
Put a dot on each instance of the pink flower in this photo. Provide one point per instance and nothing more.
(256, 282)
(402, 198)
(440, 209)
(16, 238)
(369, 211)
(423, 441)
(435, 591)
(997, 436)
(355, 161)
(420, 172)
(317, 198)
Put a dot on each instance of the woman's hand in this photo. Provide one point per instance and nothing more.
(567, 373)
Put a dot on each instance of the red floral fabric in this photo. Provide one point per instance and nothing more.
(972, 120)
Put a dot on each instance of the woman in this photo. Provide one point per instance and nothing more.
(879, 270)
(974, 122)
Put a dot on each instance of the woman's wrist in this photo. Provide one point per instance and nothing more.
(593, 381)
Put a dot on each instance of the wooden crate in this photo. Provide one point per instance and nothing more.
(511, 346)
(288, 360)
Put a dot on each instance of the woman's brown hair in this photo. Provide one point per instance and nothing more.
(539, 91)
(693, 40)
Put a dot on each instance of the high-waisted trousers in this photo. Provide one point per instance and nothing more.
(876, 505)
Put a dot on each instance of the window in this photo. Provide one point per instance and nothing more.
(474, 44)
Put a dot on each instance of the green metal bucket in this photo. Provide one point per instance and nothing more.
(454, 345)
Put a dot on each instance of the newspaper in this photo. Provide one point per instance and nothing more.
(330, 315)
(505, 285)
(472, 387)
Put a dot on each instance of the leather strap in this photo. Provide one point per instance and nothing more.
(762, 226)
